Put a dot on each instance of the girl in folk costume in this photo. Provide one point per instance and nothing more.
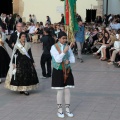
(62, 78)
(22, 75)
(4, 59)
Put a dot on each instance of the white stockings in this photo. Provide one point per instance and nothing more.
(66, 93)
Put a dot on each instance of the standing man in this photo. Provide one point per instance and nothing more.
(47, 41)
(18, 19)
(15, 35)
(6, 22)
(80, 37)
(11, 24)
(62, 19)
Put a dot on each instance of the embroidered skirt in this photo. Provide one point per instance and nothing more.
(26, 76)
(58, 80)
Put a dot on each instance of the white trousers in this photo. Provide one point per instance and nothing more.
(100, 50)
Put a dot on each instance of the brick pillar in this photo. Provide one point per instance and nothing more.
(21, 7)
(16, 6)
(99, 7)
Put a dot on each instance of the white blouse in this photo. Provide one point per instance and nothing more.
(58, 57)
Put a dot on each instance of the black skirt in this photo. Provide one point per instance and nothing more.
(4, 62)
(58, 80)
(25, 73)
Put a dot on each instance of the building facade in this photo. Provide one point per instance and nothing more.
(113, 6)
(53, 8)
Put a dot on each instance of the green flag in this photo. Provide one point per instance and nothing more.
(64, 12)
(73, 19)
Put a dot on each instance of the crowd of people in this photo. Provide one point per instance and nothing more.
(101, 38)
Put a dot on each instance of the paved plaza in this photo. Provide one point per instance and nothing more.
(96, 95)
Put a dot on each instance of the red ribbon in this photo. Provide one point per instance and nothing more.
(67, 12)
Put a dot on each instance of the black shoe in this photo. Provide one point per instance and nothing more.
(48, 76)
(81, 60)
(21, 92)
(26, 93)
(116, 64)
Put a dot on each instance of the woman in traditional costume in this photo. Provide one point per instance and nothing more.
(4, 59)
(22, 75)
(62, 78)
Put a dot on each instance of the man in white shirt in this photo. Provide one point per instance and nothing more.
(115, 26)
(15, 36)
(32, 28)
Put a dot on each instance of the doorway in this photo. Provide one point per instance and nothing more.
(90, 15)
(6, 6)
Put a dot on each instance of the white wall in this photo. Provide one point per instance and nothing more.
(113, 6)
(42, 8)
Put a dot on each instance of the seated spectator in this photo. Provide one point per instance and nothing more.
(111, 44)
(98, 43)
(31, 29)
(116, 48)
(57, 29)
(115, 25)
(94, 36)
(36, 33)
(102, 49)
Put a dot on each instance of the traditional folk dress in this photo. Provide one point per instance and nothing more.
(58, 81)
(24, 77)
(4, 60)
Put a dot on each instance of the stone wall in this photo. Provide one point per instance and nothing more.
(18, 7)
(99, 7)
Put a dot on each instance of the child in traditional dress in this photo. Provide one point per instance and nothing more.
(4, 59)
(22, 75)
(62, 78)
